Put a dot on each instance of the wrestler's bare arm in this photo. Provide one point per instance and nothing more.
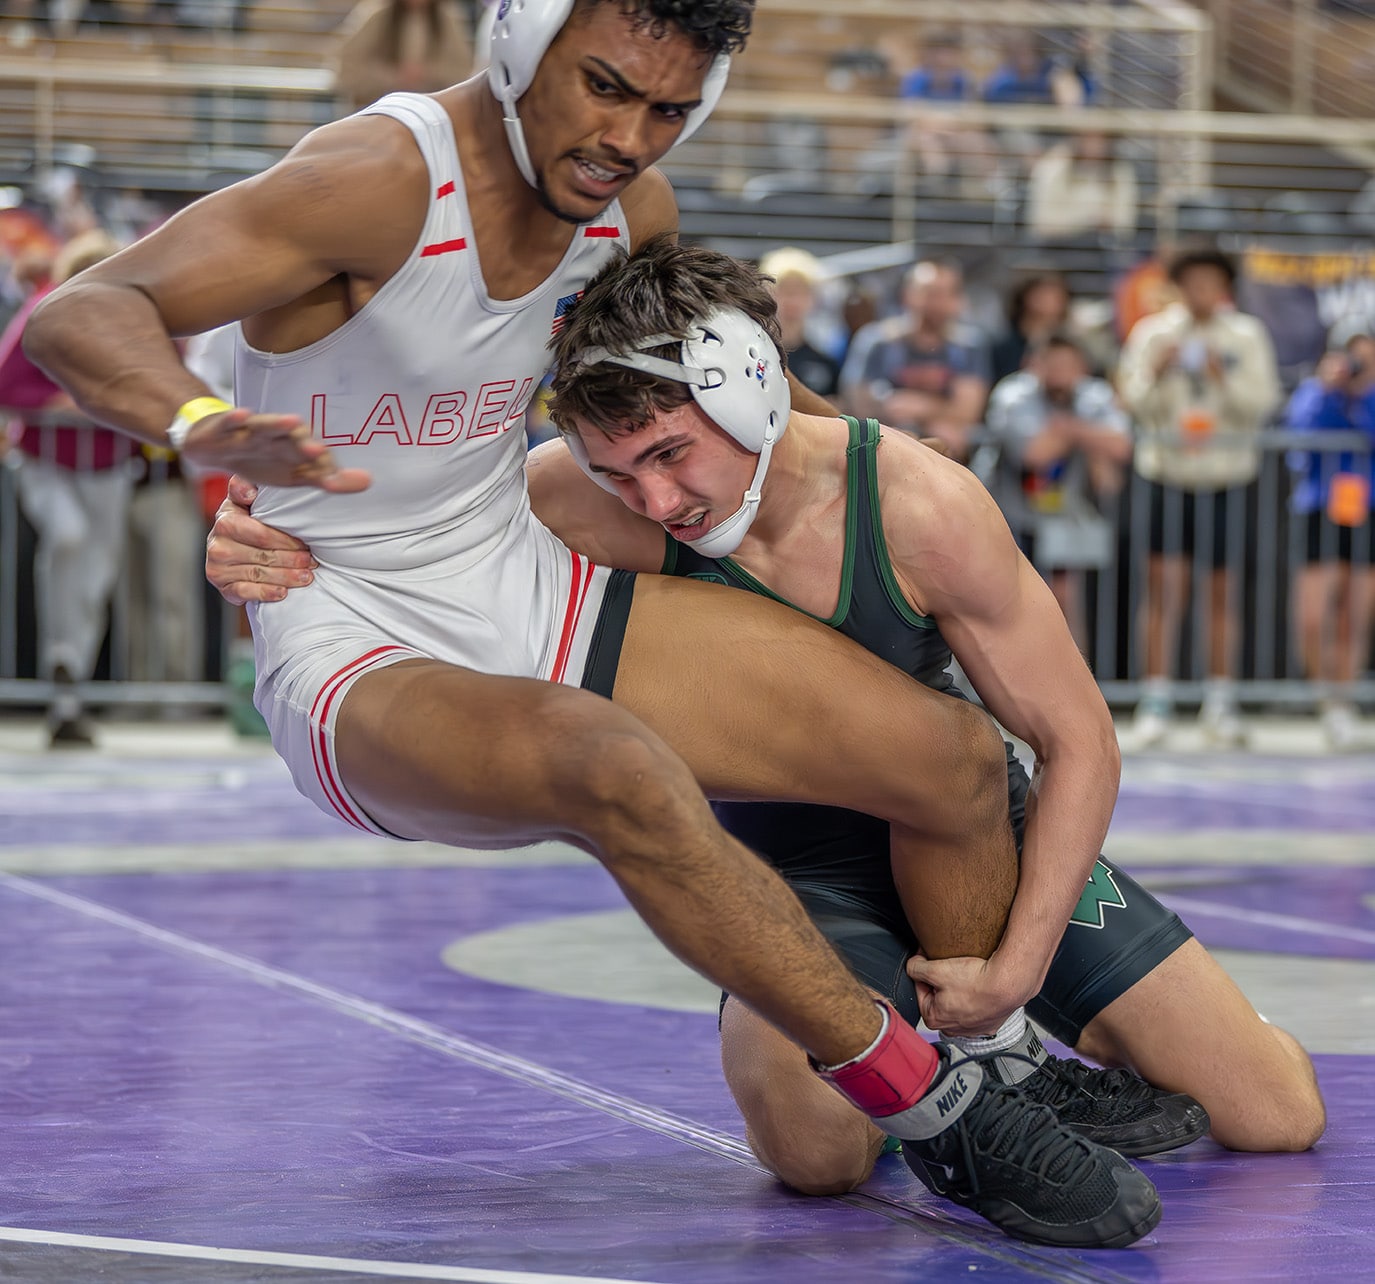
(957, 562)
(586, 517)
(650, 207)
(340, 213)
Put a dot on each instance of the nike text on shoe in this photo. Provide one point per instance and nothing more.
(986, 1147)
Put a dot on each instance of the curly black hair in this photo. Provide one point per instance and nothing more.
(714, 26)
(1203, 255)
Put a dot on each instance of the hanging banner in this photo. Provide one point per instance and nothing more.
(1302, 298)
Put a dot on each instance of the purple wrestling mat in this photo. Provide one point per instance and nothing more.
(240, 1043)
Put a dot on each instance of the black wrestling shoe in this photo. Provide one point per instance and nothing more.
(1115, 1108)
(1013, 1162)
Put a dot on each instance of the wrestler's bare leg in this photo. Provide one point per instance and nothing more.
(1187, 1027)
(438, 752)
(800, 713)
(806, 1135)
(739, 685)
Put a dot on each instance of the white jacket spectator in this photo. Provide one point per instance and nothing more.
(1213, 379)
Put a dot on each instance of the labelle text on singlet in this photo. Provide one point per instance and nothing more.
(441, 420)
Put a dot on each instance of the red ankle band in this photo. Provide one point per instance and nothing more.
(892, 1076)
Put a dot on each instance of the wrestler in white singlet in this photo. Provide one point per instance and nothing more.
(425, 387)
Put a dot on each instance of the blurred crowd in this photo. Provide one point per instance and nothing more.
(89, 518)
(1121, 436)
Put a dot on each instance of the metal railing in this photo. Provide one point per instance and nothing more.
(1266, 548)
(160, 637)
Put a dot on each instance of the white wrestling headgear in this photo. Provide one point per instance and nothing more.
(737, 378)
(522, 34)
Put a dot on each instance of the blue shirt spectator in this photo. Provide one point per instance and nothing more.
(941, 77)
(1340, 397)
(928, 84)
(1029, 76)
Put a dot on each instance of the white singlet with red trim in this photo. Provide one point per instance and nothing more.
(425, 387)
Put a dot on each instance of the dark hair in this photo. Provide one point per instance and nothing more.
(663, 288)
(714, 26)
(1023, 290)
(1202, 256)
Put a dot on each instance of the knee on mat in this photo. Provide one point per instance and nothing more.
(1294, 1120)
(814, 1165)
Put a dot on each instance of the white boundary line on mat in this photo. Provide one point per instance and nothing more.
(1263, 918)
(407, 1027)
(933, 1220)
(301, 1261)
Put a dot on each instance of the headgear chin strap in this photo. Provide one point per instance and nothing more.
(521, 36)
(733, 368)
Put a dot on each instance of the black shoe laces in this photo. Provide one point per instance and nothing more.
(1075, 1079)
(1008, 1126)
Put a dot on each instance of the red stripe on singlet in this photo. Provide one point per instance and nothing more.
(577, 595)
(443, 247)
(446, 189)
(610, 232)
(319, 747)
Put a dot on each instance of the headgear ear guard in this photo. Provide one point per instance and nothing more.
(521, 36)
(737, 379)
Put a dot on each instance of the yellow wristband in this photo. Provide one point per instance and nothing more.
(190, 414)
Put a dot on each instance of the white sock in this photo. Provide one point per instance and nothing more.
(1010, 1034)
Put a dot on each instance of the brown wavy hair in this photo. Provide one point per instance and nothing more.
(663, 288)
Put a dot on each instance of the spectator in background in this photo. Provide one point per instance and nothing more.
(1201, 380)
(1142, 291)
(388, 45)
(1061, 440)
(940, 76)
(923, 371)
(1037, 307)
(1331, 501)
(796, 275)
(74, 485)
(944, 146)
(28, 274)
(1078, 189)
(1028, 74)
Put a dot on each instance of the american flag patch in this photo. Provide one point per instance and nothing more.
(561, 310)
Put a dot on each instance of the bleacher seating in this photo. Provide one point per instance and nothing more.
(157, 105)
